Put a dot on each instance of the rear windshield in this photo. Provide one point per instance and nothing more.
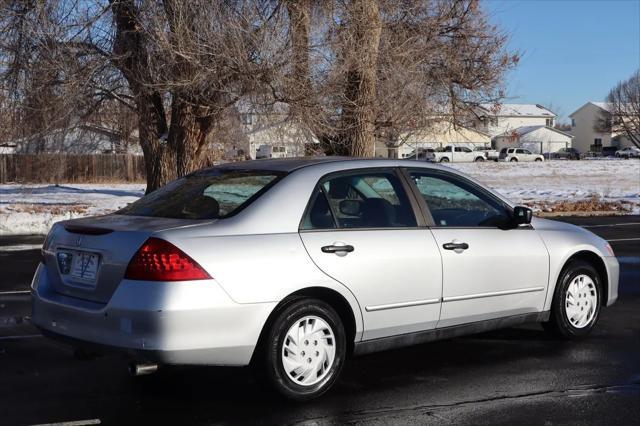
(210, 194)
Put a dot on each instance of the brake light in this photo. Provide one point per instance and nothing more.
(159, 260)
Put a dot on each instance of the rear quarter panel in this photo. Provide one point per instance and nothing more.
(261, 268)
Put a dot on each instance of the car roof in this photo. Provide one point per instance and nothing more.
(288, 165)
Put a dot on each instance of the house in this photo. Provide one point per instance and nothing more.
(589, 135)
(80, 139)
(538, 139)
(439, 135)
(8, 148)
(276, 135)
(499, 119)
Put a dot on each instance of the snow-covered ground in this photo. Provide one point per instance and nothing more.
(33, 209)
(548, 186)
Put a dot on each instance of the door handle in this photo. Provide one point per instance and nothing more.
(455, 246)
(337, 248)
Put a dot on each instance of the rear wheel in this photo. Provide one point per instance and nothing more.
(513, 159)
(444, 160)
(479, 159)
(576, 301)
(538, 159)
(304, 351)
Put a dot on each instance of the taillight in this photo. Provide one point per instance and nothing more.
(159, 260)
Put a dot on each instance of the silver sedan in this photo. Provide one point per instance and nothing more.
(293, 265)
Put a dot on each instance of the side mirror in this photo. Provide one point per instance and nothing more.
(350, 207)
(522, 215)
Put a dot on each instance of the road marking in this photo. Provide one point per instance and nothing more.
(73, 423)
(624, 239)
(9, 293)
(21, 247)
(612, 224)
(24, 336)
(629, 259)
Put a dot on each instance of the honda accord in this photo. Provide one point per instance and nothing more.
(291, 266)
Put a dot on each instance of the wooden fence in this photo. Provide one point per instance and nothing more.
(55, 168)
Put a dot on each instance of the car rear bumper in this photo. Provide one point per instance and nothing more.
(192, 322)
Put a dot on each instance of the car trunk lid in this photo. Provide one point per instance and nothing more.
(87, 258)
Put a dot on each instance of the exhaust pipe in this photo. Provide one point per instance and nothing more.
(136, 369)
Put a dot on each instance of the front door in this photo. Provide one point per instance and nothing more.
(361, 230)
(489, 269)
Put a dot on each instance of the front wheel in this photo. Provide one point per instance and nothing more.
(576, 301)
(479, 159)
(304, 351)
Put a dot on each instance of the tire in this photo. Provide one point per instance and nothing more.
(562, 323)
(538, 159)
(329, 341)
(444, 160)
(513, 159)
(479, 159)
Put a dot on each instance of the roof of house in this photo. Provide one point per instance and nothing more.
(605, 106)
(517, 110)
(523, 130)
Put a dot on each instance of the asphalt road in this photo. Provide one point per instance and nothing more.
(511, 376)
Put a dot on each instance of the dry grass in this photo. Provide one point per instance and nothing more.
(590, 205)
(54, 209)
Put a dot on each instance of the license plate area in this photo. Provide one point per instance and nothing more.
(78, 266)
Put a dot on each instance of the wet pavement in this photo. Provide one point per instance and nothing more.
(512, 376)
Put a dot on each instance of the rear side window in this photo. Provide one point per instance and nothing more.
(362, 200)
(211, 194)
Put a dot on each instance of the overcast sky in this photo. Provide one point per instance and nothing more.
(573, 51)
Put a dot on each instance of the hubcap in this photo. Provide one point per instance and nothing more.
(581, 301)
(308, 351)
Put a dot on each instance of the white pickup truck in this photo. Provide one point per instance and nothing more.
(457, 154)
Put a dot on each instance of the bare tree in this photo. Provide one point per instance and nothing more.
(352, 72)
(623, 110)
(420, 62)
(179, 65)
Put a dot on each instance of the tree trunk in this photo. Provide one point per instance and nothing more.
(188, 134)
(359, 110)
(159, 159)
(299, 23)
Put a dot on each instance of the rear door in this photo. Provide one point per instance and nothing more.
(361, 229)
(489, 270)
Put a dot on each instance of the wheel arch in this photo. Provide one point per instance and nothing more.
(596, 261)
(330, 296)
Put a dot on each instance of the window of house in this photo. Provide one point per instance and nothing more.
(597, 142)
(246, 118)
(549, 122)
(573, 122)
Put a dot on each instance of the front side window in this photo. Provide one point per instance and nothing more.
(209, 194)
(454, 202)
(363, 200)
